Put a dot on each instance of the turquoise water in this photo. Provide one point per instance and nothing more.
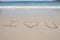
(29, 3)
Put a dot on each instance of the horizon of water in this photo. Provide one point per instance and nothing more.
(29, 3)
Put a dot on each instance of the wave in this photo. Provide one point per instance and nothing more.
(30, 7)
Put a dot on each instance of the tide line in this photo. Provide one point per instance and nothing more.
(30, 7)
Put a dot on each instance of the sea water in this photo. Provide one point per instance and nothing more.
(29, 3)
(29, 12)
(20, 8)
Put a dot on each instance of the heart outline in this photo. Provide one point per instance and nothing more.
(30, 25)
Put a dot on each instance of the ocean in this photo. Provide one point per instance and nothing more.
(29, 3)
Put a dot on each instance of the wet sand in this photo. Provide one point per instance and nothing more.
(30, 24)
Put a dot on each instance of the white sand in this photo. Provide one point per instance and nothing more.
(23, 32)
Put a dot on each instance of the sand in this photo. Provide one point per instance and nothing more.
(33, 27)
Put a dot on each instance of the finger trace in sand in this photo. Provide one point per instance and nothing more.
(31, 24)
(54, 26)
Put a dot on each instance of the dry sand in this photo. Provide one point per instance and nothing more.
(19, 31)
(22, 27)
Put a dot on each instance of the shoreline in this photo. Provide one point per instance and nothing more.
(54, 7)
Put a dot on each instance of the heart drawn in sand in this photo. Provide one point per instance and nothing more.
(30, 24)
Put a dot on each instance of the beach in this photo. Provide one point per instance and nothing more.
(29, 24)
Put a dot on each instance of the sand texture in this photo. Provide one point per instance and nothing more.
(29, 24)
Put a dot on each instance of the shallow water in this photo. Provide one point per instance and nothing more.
(29, 12)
